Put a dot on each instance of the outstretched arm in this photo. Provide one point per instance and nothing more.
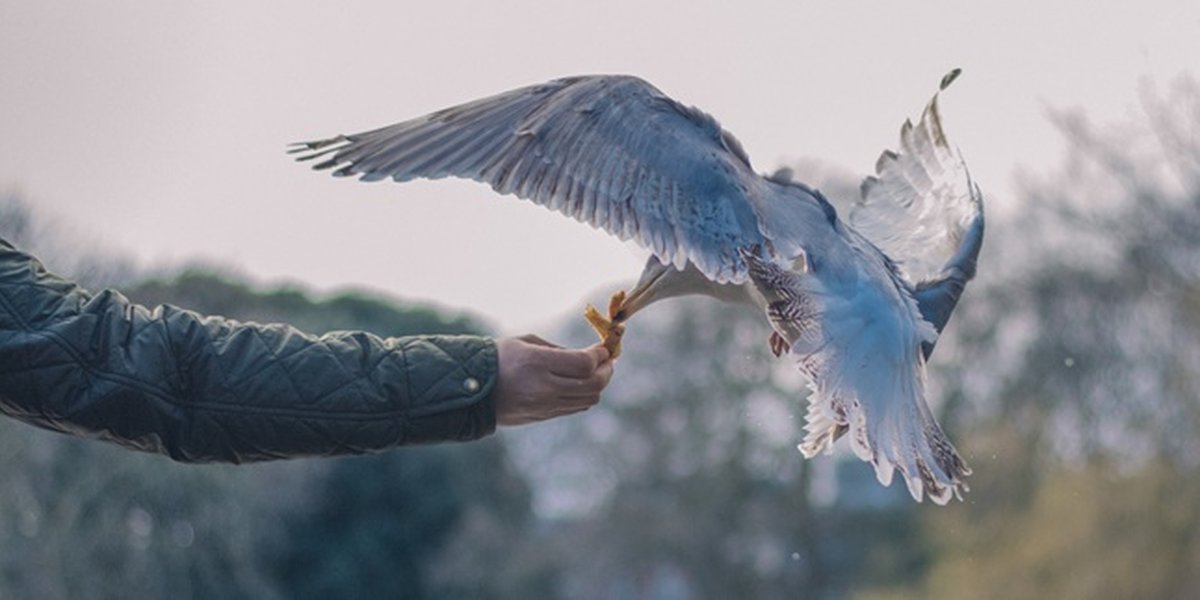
(203, 389)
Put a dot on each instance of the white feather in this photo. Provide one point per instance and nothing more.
(919, 204)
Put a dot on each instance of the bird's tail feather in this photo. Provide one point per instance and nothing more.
(889, 426)
(870, 384)
(863, 360)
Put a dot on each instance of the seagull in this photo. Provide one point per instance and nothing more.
(858, 304)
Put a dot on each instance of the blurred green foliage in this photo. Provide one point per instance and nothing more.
(1079, 393)
(1069, 378)
(82, 520)
(211, 292)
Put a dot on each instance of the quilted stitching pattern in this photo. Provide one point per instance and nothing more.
(206, 388)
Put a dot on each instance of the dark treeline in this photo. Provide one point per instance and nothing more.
(1068, 378)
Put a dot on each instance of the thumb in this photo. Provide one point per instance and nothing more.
(598, 352)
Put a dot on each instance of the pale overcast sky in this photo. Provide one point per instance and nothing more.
(159, 127)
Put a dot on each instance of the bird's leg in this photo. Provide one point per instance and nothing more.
(610, 328)
(779, 345)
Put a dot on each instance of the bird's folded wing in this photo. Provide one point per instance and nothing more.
(921, 207)
(612, 151)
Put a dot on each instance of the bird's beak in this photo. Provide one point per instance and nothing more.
(641, 295)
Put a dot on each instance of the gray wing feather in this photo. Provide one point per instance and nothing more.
(936, 298)
(611, 151)
(926, 213)
(921, 203)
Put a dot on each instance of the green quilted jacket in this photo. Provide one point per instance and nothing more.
(203, 389)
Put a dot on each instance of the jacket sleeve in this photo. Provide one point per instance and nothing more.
(203, 389)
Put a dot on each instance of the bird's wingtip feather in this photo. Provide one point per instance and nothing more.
(949, 78)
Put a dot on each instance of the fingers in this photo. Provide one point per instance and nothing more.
(575, 364)
(586, 388)
(539, 380)
(599, 380)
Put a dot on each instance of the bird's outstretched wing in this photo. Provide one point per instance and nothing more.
(612, 151)
(921, 207)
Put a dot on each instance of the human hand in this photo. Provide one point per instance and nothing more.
(538, 380)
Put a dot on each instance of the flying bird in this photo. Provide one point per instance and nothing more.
(858, 304)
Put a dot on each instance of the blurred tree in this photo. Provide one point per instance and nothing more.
(1084, 392)
(85, 259)
(1091, 532)
(438, 522)
(1069, 369)
(87, 520)
(376, 526)
(686, 481)
(209, 291)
